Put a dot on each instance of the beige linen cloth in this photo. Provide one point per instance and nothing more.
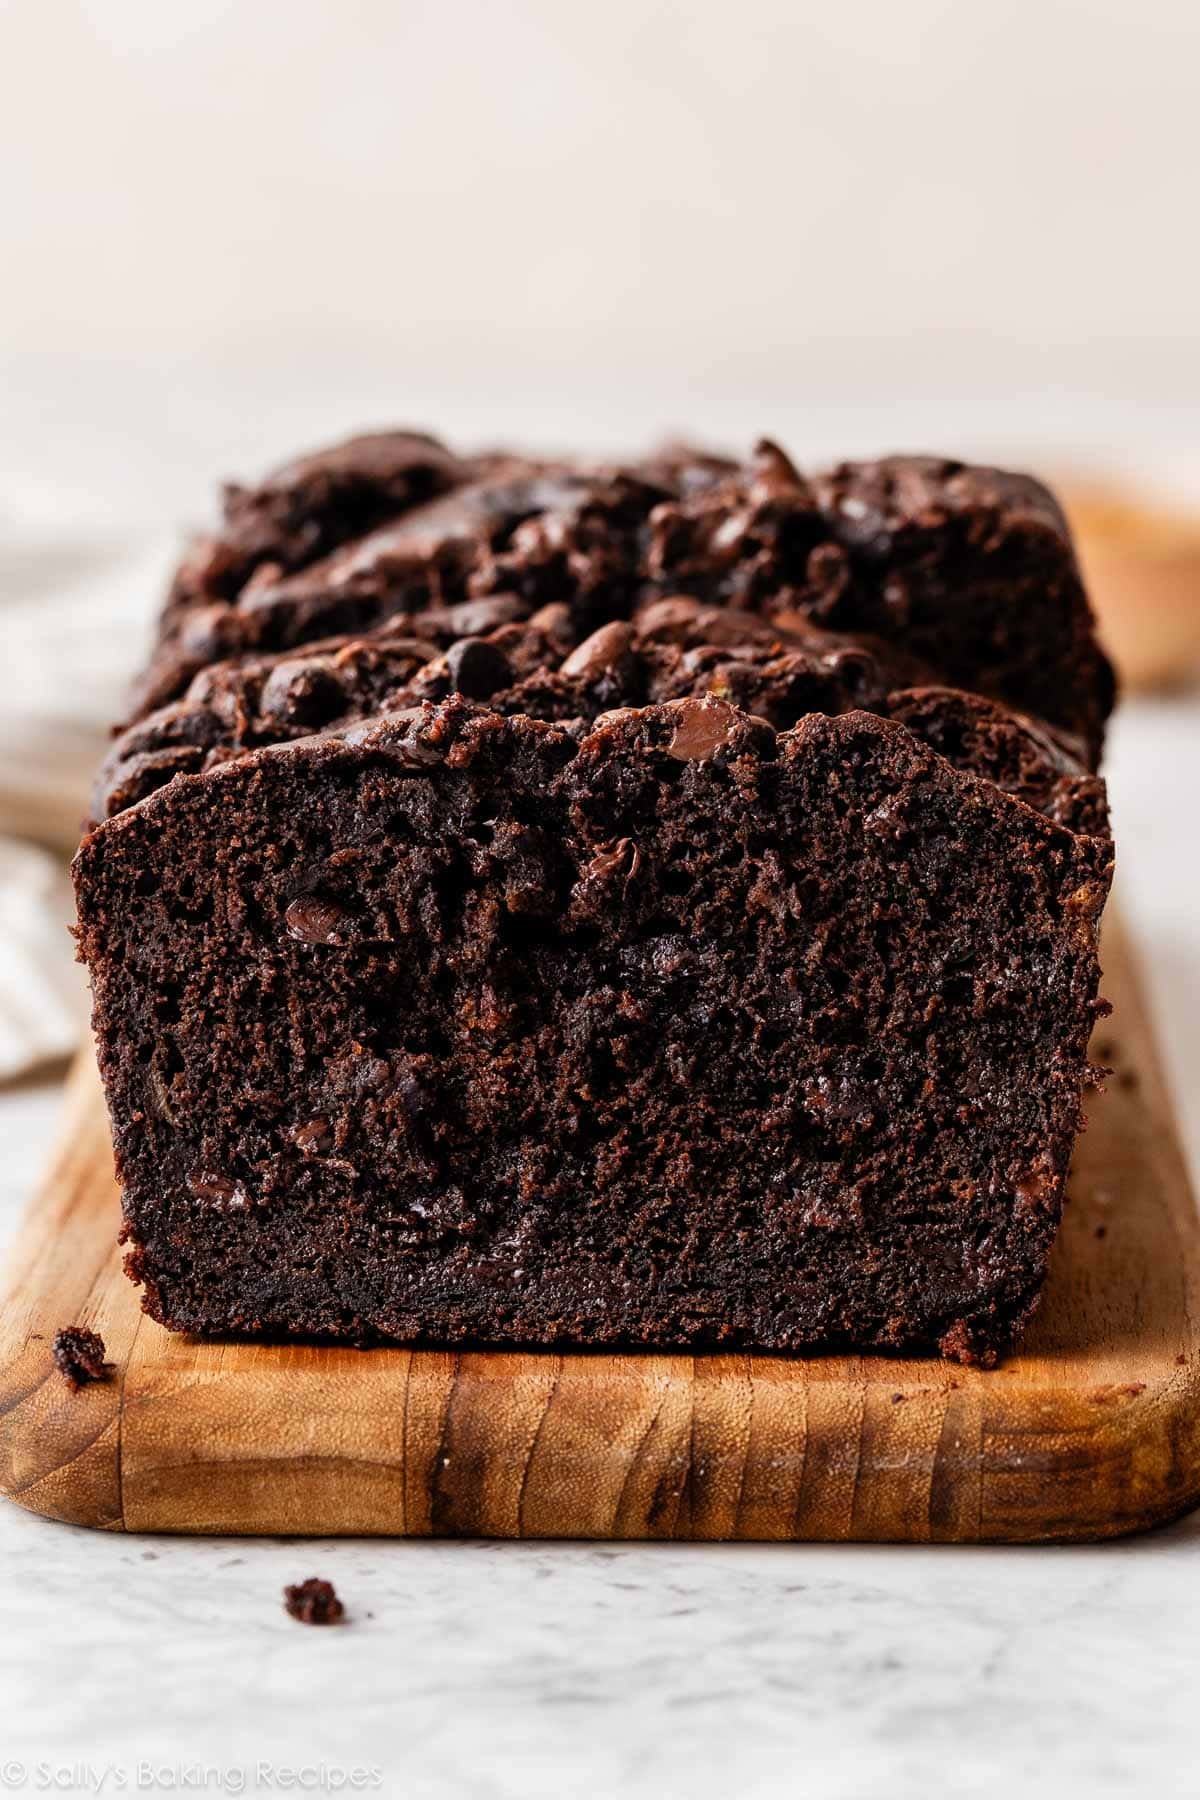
(76, 616)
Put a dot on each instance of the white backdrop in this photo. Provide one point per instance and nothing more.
(234, 226)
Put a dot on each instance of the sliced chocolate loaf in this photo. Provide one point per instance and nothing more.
(652, 906)
(672, 649)
(970, 569)
(675, 1031)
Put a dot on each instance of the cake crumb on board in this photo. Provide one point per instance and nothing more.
(79, 1356)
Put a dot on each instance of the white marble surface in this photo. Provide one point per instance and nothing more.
(500, 1670)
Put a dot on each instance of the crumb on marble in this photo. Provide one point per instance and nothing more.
(313, 1602)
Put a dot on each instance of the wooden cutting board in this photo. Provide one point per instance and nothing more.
(1091, 1431)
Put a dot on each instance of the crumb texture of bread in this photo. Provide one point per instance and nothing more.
(649, 905)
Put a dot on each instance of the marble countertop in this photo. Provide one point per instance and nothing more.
(491, 1671)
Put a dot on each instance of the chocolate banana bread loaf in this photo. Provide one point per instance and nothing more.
(652, 905)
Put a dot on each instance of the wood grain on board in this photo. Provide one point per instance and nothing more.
(1091, 1430)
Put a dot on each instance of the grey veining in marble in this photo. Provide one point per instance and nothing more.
(522, 1671)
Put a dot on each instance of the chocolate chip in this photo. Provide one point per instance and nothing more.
(303, 691)
(702, 727)
(617, 715)
(604, 651)
(219, 1192)
(312, 1138)
(669, 621)
(477, 668)
(553, 619)
(400, 737)
(473, 618)
(855, 669)
(206, 631)
(621, 857)
(680, 620)
(314, 920)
